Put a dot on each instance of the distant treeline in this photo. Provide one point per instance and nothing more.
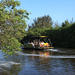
(61, 36)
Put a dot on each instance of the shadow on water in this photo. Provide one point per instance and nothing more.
(32, 62)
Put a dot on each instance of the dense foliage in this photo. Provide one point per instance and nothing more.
(40, 25)
(61, 36)
(12, 25)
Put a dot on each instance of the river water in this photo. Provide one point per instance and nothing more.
(32, 62)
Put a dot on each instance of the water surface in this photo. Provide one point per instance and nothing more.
(32, 62)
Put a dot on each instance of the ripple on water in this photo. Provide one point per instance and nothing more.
(6, 66)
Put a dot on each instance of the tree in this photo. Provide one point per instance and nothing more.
(12, 25)
(40, 25)
(65, 24)
(42, 22)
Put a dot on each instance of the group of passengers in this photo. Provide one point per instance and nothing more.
(41, 44)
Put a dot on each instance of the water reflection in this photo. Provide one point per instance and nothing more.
(32, 62)
(10, 65)
(41, 64)
(9, 68)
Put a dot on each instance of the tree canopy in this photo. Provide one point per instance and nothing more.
(42, 22)
(12, 25)
(39, 25)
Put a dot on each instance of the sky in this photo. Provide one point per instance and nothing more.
(58, 10)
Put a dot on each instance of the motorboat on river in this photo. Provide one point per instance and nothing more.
(37, 42)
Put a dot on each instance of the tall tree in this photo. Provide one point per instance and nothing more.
(39, 25)
(12, 25)
(65, 24)
(42, 22)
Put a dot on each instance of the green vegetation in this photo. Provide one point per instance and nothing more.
(61, 36)
(40, 25)
(12, 25)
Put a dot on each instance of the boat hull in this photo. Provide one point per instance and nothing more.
(44, 48)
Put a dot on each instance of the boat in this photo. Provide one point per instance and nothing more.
(37, 42)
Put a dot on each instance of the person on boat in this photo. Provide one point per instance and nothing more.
(32, 44)
(41, 44)
(46, 44)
